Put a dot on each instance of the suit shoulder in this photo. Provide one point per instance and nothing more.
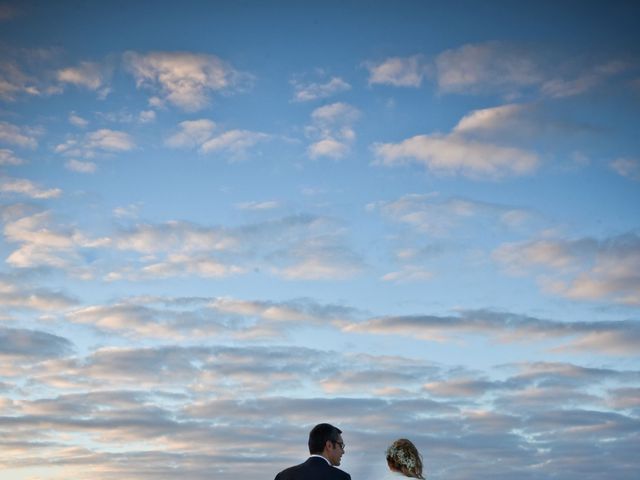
(289, 472)
(342, 475)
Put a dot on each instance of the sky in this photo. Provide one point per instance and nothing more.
(225, 222)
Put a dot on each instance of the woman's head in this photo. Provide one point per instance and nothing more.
(403, 457)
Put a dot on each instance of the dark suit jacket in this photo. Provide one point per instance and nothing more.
(314, 468)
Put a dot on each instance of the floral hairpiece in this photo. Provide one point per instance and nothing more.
(402, 457)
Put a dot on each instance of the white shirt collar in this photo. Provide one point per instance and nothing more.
(320, 456)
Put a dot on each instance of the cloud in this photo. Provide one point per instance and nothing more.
(81, 167)
(177, 265)
(627, 167)
(409, 273)
(309, 91)
(27, 188)
(23, 137)
(612, 338)
(34, 344)
(437, 216)
(26, 72)
(77, 120)
(192, 133)
(183, 79)
(109, 140)
(201, 134)
(300, 246)
(102, 141)
(398, 71)
(174, 236)
(7, 157)
(335, 113)
(490, 120)
(234, 142)
(328, 147)
(15, 294)
(332, 130)
(474, 68)
(512, 70)
(582, 269)
(142, 321)
(89, 75)
(319, 258)
(453, 154)
(44, 242)
(585, 79)
(182, 402)
(147, 116)
(259, 206)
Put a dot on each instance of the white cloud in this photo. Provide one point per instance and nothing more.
(192, 133)
(496, 67)
(129, 211)
(494, 119)
(320, 258)
(15, 294)
(174, 237)
(27, 188)
(88, 75)
(432, 214)
(335, 114)
(409, 273)
(582, 269)
(234, 142)
(178, 265)
(109, 140)
(453, 154)
(20, 136)
(473, 68)
(398, 71)
(305, 92)
(201, 134)
(616, 338)
(147, 116)
(627, 167)
(23, 72)
(583, 80)
(259, 206)
(181, 78)
(328, 147)
(7, 157)
(99, 141)
(77, 121)
(81, 167)
(43, 242)
(331, 127)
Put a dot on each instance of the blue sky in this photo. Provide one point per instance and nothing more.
(225, 222)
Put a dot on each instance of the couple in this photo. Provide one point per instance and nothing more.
(327, 447)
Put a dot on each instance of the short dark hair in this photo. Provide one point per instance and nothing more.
(320, 434)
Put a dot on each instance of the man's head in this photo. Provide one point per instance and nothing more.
(326, 440)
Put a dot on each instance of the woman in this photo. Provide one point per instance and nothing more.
(403, 457)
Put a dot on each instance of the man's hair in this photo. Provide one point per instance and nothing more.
(320, 434)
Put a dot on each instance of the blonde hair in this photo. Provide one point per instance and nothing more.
(403, 456)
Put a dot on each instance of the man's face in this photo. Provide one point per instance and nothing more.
(334, 451)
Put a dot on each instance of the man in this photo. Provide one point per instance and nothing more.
(326, 448)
